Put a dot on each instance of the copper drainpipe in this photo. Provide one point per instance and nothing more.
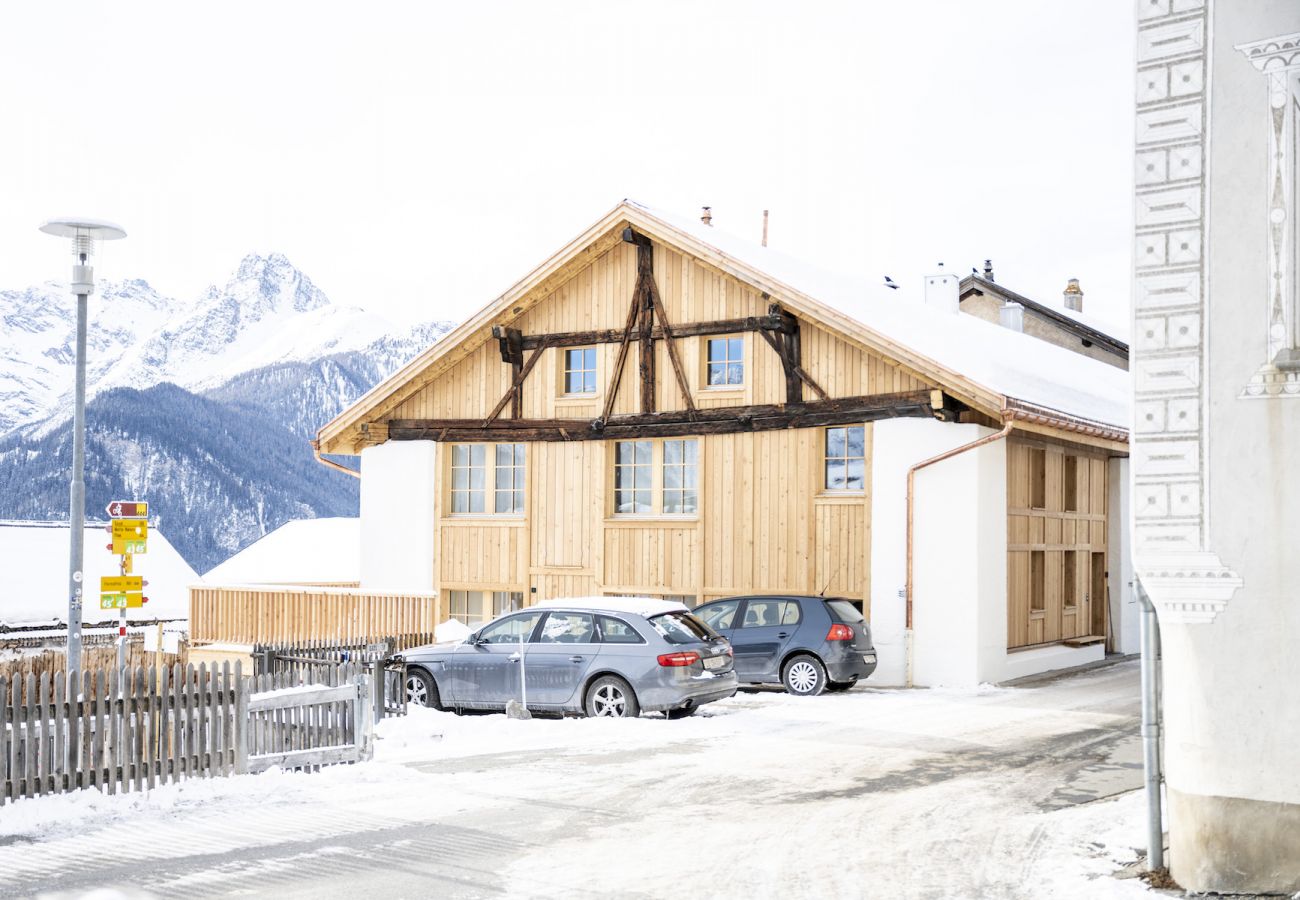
(911, 484)
(329, 463)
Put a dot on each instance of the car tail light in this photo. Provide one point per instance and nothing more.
(683, 658)
(839, 632)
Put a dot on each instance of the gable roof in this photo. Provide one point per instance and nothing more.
(301, 551)
(984, 365)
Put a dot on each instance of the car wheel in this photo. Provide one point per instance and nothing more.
(804, 675)
(834, 686)
(611, 696)
(421, 689)
(683, 713)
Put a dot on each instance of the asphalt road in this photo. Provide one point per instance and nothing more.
(874, 792)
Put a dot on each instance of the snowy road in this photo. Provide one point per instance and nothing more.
(1006, 792)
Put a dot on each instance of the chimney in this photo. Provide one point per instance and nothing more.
(942, 291)
(1012, 315)
(707, 215)
(1074, 296)
(988, 270)
(764, 228)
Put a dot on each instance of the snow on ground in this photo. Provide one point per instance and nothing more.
(989, 793)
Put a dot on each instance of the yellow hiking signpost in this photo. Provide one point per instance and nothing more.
(130, 533)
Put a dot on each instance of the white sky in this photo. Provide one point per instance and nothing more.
(418, 158)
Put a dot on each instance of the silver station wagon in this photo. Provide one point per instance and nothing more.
(602, 656)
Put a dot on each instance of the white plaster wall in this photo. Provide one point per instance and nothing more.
(952, 637)
(1124, 607)
(398, 490)
(959, 567)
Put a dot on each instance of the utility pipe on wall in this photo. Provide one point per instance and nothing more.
(1151, 768)
(911, 500)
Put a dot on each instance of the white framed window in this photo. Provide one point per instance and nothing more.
(508, 480)
(657, 477)
(466, 607)
(846, 458)
(724, 362)
(579, 375)
(480, 471)
(468, 477)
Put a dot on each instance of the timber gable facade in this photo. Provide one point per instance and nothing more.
(644, 415)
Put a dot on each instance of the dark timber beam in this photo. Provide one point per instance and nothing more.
(511, 344)
(685, 329)
(645, 278)
(721, 420)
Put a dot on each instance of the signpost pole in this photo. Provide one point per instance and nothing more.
(77, 497)
(121, 624)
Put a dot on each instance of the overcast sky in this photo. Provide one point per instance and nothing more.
(418, 158)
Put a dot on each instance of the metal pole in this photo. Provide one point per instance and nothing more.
(121, 628)
(77, 496)
(1151, 730)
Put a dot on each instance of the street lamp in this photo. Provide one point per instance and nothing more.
(84, 233)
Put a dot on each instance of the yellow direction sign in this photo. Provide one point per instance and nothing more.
(121, 601)
(121, 584)
(130, 535)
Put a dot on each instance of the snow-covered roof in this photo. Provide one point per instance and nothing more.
(642, 606)
(303, 551)
(1005, 361)
(34, 559)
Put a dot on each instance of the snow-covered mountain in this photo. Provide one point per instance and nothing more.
(203, 408)
(267, 313)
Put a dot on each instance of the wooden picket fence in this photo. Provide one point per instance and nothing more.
(307, 660)
(134, 729)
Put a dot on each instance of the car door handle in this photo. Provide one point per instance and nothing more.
(575, 659)
(783, 634)
(513, 657)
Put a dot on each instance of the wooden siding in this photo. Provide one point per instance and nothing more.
(1038, 521)
(269, 613)
(763, 524)
(598, 297)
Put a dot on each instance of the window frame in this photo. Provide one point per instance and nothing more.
(491, 471)
(657, 488)
(742, 361)
(826, 488)
(565, 370)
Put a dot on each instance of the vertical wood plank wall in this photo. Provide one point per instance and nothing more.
(764, 522)
(1054, 531)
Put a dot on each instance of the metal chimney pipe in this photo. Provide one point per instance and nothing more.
(707, 215)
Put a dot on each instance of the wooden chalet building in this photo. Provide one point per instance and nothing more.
(664, 409)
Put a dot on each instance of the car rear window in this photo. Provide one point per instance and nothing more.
(682, 628)
(845, 610)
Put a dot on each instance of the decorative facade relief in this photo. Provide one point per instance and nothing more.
(1278, 59)
(1170, 430)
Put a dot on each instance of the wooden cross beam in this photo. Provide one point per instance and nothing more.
(676, 423)
(511, 344)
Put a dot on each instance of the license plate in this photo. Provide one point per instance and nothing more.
(715, 662)
(869, 657)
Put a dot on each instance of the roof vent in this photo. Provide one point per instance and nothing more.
(707, 215)
(988, 270)
(1012, 316)
(1073, 295)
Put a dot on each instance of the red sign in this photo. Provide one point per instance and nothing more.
(127, 509)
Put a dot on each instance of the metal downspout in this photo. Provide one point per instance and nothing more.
(1151, 762)
(911, 485)
(329, 463)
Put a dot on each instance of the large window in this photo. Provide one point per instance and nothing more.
(506, 601)
(475, 607)
(846, 458)
(473, 479)
(725, 362)
(580, 370)
(656, 477)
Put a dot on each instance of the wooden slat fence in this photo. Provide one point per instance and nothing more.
(256, 614)
(127, 729)
(306, 726)
(134, 729)
(307, 659)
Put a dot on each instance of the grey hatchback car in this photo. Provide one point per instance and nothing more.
(602, 656)
(809, 644)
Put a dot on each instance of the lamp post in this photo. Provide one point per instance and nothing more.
(84, 233)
